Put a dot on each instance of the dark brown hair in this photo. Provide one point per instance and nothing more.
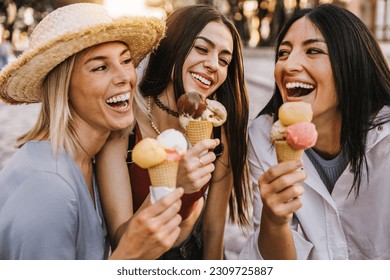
(183, 26)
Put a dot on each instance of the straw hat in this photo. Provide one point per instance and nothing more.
(65, 32)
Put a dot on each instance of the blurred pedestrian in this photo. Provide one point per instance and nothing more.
(6, 52)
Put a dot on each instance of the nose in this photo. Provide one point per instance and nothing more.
(125, 75)
(293, 63)
(211, 62)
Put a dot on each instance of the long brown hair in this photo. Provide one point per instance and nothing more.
(183, 26)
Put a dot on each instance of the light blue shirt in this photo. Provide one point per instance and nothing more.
(46, 211)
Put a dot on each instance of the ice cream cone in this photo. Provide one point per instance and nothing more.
(284, 152)
(164, 174)
(198, 130)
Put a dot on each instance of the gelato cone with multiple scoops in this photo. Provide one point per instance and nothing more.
(293, 132)
(161, 157)
(198, 115)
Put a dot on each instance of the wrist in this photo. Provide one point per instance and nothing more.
(189, 202)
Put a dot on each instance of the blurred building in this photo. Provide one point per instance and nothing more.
(19, 17)
(265, 17)
(258, 21)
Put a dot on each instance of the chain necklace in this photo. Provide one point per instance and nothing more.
(149, 108)
(91, 157)
(165, 108)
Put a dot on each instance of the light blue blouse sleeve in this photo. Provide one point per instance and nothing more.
(41, 219)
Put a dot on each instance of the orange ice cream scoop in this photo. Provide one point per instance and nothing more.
(294, 112)
(302, 135)
(148, 152)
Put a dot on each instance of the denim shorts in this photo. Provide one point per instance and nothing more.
(191, 248)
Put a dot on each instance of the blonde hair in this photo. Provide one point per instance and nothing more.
(55, 122)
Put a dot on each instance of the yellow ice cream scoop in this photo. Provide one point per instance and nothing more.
(294, 112)
(148, 152)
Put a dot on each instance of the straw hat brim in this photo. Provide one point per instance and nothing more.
(21, 81)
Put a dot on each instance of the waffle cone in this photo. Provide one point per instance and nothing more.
(164, 174)
(284, 152)
(198, 130)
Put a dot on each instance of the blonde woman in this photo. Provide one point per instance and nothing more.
(81, 66)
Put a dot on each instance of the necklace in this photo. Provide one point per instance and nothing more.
(165, 108)
(91, 157)
(149, 107)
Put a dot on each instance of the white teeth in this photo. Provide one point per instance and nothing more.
(299, 85)
(119, 98)
(200, 78)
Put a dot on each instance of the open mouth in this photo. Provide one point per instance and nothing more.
(120, 101)
(201, 79)
(298, 89)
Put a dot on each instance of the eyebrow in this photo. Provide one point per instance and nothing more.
(305, 43)
(102, 57)
(211, 43)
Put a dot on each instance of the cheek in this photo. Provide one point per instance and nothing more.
(278, 82)
(222, 76)
(278, 77)
(277, 71)
(328, 87)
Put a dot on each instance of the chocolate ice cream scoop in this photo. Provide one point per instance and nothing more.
(192, 104)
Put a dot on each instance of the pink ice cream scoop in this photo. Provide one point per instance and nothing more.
(301, 135)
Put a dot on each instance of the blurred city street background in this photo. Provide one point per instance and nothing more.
(257, 21)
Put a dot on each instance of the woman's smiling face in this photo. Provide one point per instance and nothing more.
(102, 86)
(303, 71)
(206, 66)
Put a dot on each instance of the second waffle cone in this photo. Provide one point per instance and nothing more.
(164, 174)
(284, 152)
(198, 130)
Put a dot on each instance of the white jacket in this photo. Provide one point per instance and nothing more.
(331, 226)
